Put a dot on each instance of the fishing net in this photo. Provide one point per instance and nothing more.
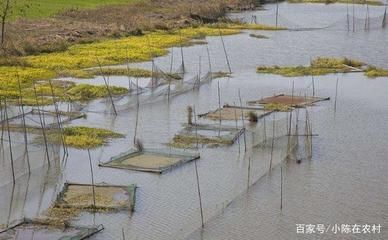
(211, 135)
(150, 160)
(29, 229)
(346, 23)
(20, 130)
(95, 197)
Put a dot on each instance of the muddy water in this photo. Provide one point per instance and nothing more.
(345, 182)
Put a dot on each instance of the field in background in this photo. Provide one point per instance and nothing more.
(46, 8)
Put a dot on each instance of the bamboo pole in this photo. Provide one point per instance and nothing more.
(242, 119)
(196, 169)
(58, 118)
(41, 124)
(354, 24)
(10, 142)
(210, 64)
(182, 56)
(336, 94)
(313, 82)
(107, 86)
(137, 110)
(92, 179)
(196, 127)
(24, 124)
(219, 106)
(236, 120)
(277, 13)
(226, 54)
(272, 142)
(172, 59)
(123, 233)
(249, 172)
(281, 185)
(347, 15)
(199, 193)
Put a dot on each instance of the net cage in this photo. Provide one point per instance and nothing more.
(150, 160)
(26, 133)
(36, 229)
(348, 22)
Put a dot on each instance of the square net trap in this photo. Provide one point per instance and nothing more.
(150, 160)
(32, 229)
(294, 101)
(206, 135)
(235, 113)
(97, 197)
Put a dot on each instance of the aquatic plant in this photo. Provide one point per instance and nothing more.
(277, 107)
(252, 116)
(258, 36)
(189, 141)
(114, 71)
(80, 137)
(85, 92)
(319, 66)
(375, 72)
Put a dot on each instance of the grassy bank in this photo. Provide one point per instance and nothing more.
(370, 2)
(46, 8)
(39, 68)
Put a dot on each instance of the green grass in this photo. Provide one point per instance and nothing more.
(46, 8)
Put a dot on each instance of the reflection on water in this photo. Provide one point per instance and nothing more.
(345, 182)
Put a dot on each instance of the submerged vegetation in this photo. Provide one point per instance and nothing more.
(318, 66)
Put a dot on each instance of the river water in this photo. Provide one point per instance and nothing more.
(345, 182)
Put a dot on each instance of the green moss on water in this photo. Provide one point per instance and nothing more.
(82, 137)
(318, 66)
